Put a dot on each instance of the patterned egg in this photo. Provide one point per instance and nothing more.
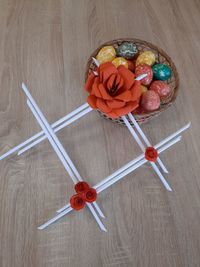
(146, 57)
(144, 69)
(161, 72)
(161, 88)
(150, 101)
(127, 50)
(106, 53)
(120, 61)
(143, 88)
(131, 65)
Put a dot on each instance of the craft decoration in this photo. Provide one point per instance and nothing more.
(146, 57)
(113, 90)
(144, 69)
(107, 53)
(150, 101)
(161, 88)
(120, 61)
(127, 50)
(116, 92)
(161, 72)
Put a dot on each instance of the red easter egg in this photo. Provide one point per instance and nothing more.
(161, 88)
(144, 69)
(150, 100)
(131, 65)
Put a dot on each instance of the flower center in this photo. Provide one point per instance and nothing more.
(113, 84)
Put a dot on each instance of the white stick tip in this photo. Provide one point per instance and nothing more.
(40, 227)
(96, 61)
(141, 77)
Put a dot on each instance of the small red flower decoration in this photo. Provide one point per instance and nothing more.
(81, 187)
(114, 91)
(90, 195)
(77, 202)
(151, 154)
(85, 193)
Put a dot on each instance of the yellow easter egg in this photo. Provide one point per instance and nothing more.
(143, 89)
(106, 53)
(146, 57)
(120, 61)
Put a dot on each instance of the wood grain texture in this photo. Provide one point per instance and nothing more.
(46, 43)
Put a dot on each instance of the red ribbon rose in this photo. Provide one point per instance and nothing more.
(114, 91)
(85, 193)
(151, 154)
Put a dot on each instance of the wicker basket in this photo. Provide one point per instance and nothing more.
(161, 57)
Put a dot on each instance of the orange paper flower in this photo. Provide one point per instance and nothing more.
(114, 91)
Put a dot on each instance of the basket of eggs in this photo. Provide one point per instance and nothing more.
(115, 91)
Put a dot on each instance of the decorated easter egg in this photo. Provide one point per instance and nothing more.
(131, 65)
(161, 72)
(127, 50)
(161, 88)
(144, 69)
(146, 57)
(150, 101)
(106, 53)
(143, 88)
(120, 61)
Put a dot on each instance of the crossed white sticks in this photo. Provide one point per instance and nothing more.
(48, 131)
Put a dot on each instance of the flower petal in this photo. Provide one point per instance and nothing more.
(95, 88)
(101, 105)
(111, 81)
(112, 115)
(89, 82)
(104, 92)
(119, 81)
(106, 70)
(115, 103)
(136, 90)
(127, 76)
(92, 101)
(128, 108)
(125, 96)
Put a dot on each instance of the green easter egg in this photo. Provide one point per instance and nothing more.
(161, 72)
(126, 50)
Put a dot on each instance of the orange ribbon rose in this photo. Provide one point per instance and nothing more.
(114, 91)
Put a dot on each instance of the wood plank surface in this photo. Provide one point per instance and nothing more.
(46, 44)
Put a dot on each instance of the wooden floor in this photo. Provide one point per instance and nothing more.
(46, 44)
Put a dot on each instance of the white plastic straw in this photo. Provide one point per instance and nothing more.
(54, 219)
(56, 129)
(147, 142)
(60, 151)
(63, 160)
(55, 124)
(135, 136)
(135, 166)
(128, 165)
(125, 170)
